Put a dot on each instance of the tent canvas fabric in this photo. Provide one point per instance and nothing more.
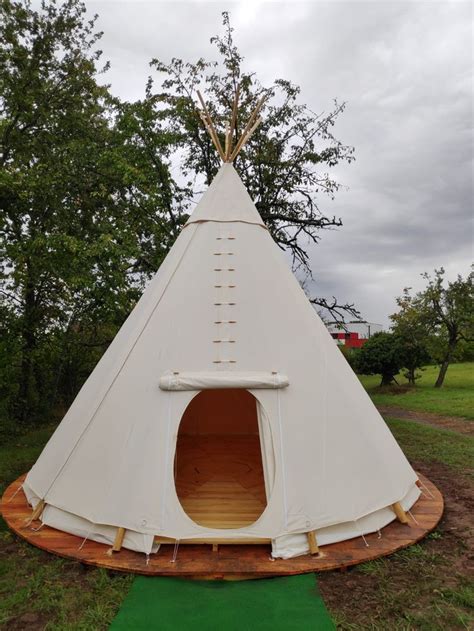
(330, 462)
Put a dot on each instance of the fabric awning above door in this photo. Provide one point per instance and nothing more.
(222, 379)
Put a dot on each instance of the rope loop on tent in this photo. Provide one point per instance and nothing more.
(15, 493)
(175, 551)
(425, 488)
(361, 534)
(86, 538)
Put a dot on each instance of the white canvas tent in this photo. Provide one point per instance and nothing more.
(223, 311)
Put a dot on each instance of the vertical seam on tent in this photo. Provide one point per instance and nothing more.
(325, 419)
(121, 367)
(167, 461)
(282, 456)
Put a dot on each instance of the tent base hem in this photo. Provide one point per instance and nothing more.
(229, 562)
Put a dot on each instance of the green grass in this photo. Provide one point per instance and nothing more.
(421, 599)
(454, 398)
(58, 594)
(18, 454)
(431, 444)
(409, 588)
(42, 591)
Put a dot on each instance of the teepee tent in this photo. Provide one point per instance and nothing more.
(222, 349)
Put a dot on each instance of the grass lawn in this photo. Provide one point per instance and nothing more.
(39, 590)
(454, 398)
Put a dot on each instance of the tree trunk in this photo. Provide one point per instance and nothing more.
(386, 380)
(411, 376)
(26, 393)
(445, 363)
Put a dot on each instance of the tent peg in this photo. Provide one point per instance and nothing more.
(312, 542)
(400, 513)
(118, 540)
(36, 513)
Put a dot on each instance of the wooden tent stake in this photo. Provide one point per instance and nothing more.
(400, 513)
(38, 509)
(313, 544)
(118, 540)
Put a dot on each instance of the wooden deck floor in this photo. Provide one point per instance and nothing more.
(219, 480)
(229, 562)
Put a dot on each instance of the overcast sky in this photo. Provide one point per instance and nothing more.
(405, 70)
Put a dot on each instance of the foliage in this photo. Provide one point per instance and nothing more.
(284, 166)
(349, 353)
(444, 310)
(380, 355)
(89, 204)
(412, 335)
(89, 208)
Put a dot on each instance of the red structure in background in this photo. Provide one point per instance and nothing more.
(351, 340)
(352, 334)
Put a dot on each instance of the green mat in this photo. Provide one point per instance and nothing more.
(286, 603)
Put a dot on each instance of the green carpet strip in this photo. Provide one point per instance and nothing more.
(286, 603)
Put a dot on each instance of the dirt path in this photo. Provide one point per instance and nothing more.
(456, 424)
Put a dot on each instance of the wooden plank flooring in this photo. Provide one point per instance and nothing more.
(219, 480)
(230, 562)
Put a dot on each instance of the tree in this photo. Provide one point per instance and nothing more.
(84, 190)
(284, 165)
(447, 310)
(380, 355)
(412, 335)
(89, 207)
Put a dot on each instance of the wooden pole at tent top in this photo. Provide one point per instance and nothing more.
(230, 151)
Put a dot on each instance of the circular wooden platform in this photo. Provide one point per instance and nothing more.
(229, 562)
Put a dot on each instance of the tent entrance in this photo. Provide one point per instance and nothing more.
(219, 473)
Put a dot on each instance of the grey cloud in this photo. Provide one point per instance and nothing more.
(406, 71)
